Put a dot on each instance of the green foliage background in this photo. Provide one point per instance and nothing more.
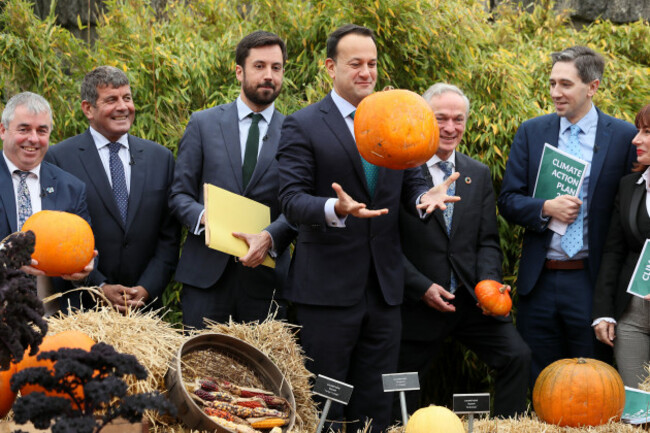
(182, 60)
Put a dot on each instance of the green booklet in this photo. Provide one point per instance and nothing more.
(637, 406)
(560, 173)
(640, 281)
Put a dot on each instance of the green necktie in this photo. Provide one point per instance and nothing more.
(370, 170)
(252, 146)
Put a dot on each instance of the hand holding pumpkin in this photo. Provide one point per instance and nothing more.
(346, 205)
(493, 298)
(437, 196)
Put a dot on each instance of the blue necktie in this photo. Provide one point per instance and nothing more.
(118, 180)
(572, 240)
(24, 198)
(370, 170)
(252, 147)
(447, 168)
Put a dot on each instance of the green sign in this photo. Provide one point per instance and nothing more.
(559, 174)
(637, 406)
(640, 281)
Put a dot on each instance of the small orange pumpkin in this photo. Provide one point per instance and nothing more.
(396, 129)
(579, 392)
(64, 242)
(7, 396)
(493, 297)
(66, 339)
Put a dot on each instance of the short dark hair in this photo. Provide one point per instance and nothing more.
(259, 38)
(590, 64)
(101, 76)
(338, 34)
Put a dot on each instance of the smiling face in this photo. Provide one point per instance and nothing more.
(354, 72)
(571, 96)
(261, 77)
(450, 110)
(26, 139)
(113, 112)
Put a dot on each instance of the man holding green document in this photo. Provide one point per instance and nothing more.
(560, 183)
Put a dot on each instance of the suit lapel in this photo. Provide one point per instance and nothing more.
(635, 202)
(601, 147)
(268, 151)
(336, 124)
(229, 125)
(7, 197)
(95, 171)
(138, 178)
(463, 190)
(49, 188)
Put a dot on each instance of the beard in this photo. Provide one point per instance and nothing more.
(262, 94)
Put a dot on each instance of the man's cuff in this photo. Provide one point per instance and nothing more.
(603, 319)
(198, 229)
(331, 217)
(271, 251)
(421, 212)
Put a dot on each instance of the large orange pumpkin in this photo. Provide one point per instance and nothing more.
(66, 339)
(64, 242)
(7, 396)
(395, 129)
(493, 297)
(579, 392)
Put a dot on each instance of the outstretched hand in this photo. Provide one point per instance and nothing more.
(346, 205)
(437, 196)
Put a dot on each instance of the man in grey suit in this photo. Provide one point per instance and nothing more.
(127, 181)
(445, 259)
(233, 146)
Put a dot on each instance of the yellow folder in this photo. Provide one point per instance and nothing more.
(227, 212)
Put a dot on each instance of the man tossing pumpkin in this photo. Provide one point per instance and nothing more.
(346, 277)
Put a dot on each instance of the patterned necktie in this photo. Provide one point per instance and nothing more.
(370, 170)
(118, 179)
(24, 198)
(252, 147)
(572, 240)
(447, 169)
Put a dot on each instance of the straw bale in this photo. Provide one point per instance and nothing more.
(278, 341)
(145, 335)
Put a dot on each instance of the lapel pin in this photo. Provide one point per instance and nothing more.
(468, 180)
(49, 190)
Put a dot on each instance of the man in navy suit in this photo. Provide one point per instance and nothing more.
(346, 278)
(233, 146)
(127, 179)
(27, 184)
(557, 273)
(447, 257)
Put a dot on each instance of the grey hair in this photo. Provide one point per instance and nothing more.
(34, 103)
(101, 76)
(590, 64)
(440, 88)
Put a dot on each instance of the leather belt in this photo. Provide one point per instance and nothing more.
(564, 265)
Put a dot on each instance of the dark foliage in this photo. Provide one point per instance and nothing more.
(100, 374)
(21, 321)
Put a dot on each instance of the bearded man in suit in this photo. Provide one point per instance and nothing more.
(233, 146)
